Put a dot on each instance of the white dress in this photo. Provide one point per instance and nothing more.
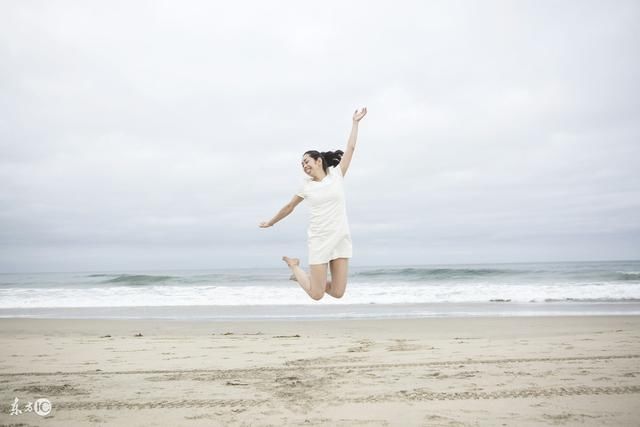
(328, 234)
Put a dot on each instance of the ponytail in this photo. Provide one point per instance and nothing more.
(329, 158)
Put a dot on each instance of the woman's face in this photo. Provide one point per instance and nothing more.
(308, 164)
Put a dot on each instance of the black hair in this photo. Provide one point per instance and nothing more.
(329, 158)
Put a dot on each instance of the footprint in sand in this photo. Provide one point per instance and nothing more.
(363, 347)
(402, 345)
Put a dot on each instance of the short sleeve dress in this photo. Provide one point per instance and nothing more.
(328, 234)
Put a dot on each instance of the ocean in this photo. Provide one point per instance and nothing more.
(524, 289)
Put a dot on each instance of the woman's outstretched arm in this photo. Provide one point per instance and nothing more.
(286, 210)
(351, 144)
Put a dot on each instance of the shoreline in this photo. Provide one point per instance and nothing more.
(535, 370)
(333, 310)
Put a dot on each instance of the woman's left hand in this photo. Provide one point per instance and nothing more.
(357, 116)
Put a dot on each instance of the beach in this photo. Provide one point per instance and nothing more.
(541, 370)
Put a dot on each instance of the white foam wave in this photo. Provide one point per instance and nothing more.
(278, 294)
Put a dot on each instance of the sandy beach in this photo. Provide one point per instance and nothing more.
(440, 371)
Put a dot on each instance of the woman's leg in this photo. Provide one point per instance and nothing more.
(313, 284)
(339, 272)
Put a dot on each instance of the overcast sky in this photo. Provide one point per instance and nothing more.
(157, 135)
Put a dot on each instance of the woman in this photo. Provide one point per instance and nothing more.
(329, 238)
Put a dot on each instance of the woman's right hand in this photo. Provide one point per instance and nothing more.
(265, 224)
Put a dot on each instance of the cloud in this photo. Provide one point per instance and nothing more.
(159, 135)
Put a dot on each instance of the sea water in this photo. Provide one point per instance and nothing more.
(560, 288)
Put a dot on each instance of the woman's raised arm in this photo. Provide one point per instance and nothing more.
(351, 144)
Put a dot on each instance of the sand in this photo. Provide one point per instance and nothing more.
(514, 371)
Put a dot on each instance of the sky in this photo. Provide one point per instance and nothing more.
(158, 135)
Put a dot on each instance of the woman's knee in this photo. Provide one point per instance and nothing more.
(318, 288)
(338, 294)
(337, 291)
(316, 295)
(318, 281)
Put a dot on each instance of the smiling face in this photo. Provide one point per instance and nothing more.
(309, 165)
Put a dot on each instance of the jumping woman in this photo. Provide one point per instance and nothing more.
(329, 238)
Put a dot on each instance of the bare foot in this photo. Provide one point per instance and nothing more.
(291, 261)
